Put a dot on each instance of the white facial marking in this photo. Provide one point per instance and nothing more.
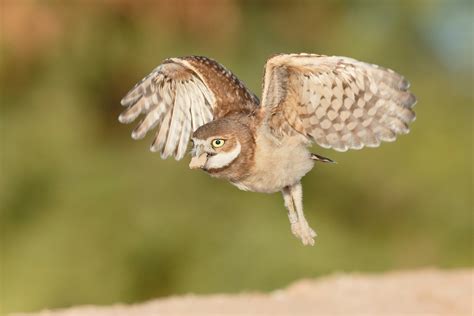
(223, 159)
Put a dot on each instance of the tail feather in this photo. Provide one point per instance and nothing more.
(321, 158)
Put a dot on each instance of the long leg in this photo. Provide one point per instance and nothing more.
(293, 197)
(292, 216)
(297, 194)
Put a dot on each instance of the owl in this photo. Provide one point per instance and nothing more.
(262, 146)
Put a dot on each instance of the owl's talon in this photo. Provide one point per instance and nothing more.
(302, 231)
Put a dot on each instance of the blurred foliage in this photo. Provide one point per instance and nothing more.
(89, 216)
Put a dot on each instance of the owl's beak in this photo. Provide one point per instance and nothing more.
(198, 162)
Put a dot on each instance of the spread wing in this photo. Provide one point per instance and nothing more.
(179, 96)
(337, 102)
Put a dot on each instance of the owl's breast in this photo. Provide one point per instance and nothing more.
(277, 165)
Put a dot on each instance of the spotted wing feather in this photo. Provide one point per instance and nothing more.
(337, 102)
(179, 96)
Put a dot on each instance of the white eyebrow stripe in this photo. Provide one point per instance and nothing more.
(223, 159)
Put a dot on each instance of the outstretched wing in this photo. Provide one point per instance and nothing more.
(179, 96)
(337, 102)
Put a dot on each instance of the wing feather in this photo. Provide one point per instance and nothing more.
(179, 96)
(173, 130)
(160, 139)
(337, 102)
(185, 128)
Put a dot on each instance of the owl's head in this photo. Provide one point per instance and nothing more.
(220, 145)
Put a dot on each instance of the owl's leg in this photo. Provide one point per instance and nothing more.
(293, 197)
(290, 206)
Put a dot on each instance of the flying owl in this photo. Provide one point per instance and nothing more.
(262, 146)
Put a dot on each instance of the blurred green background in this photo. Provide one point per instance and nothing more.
(89, 216)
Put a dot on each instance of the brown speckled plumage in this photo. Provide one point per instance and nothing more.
(335, 102)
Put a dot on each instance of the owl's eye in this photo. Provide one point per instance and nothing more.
(216, 143)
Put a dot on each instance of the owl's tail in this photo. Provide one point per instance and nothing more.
(321, 158)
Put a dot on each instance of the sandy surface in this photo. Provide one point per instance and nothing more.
(422, 292)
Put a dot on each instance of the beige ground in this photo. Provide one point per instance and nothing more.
(423, 292)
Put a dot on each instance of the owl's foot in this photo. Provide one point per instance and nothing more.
(303, 232)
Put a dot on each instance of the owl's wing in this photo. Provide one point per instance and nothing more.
(179, 96)
(337, 102)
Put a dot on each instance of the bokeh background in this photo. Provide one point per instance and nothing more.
(89, 216)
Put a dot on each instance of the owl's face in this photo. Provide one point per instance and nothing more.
(214, 152)
(222, 147)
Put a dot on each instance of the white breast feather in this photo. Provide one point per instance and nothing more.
(277, 164)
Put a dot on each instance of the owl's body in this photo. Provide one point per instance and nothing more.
(336, 102)
(264, 164)
(277, 165)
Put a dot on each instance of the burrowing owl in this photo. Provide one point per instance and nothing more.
(335, 102)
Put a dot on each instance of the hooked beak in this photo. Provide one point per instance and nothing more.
(198, 162)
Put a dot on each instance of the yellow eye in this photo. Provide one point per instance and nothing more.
(216, 143)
